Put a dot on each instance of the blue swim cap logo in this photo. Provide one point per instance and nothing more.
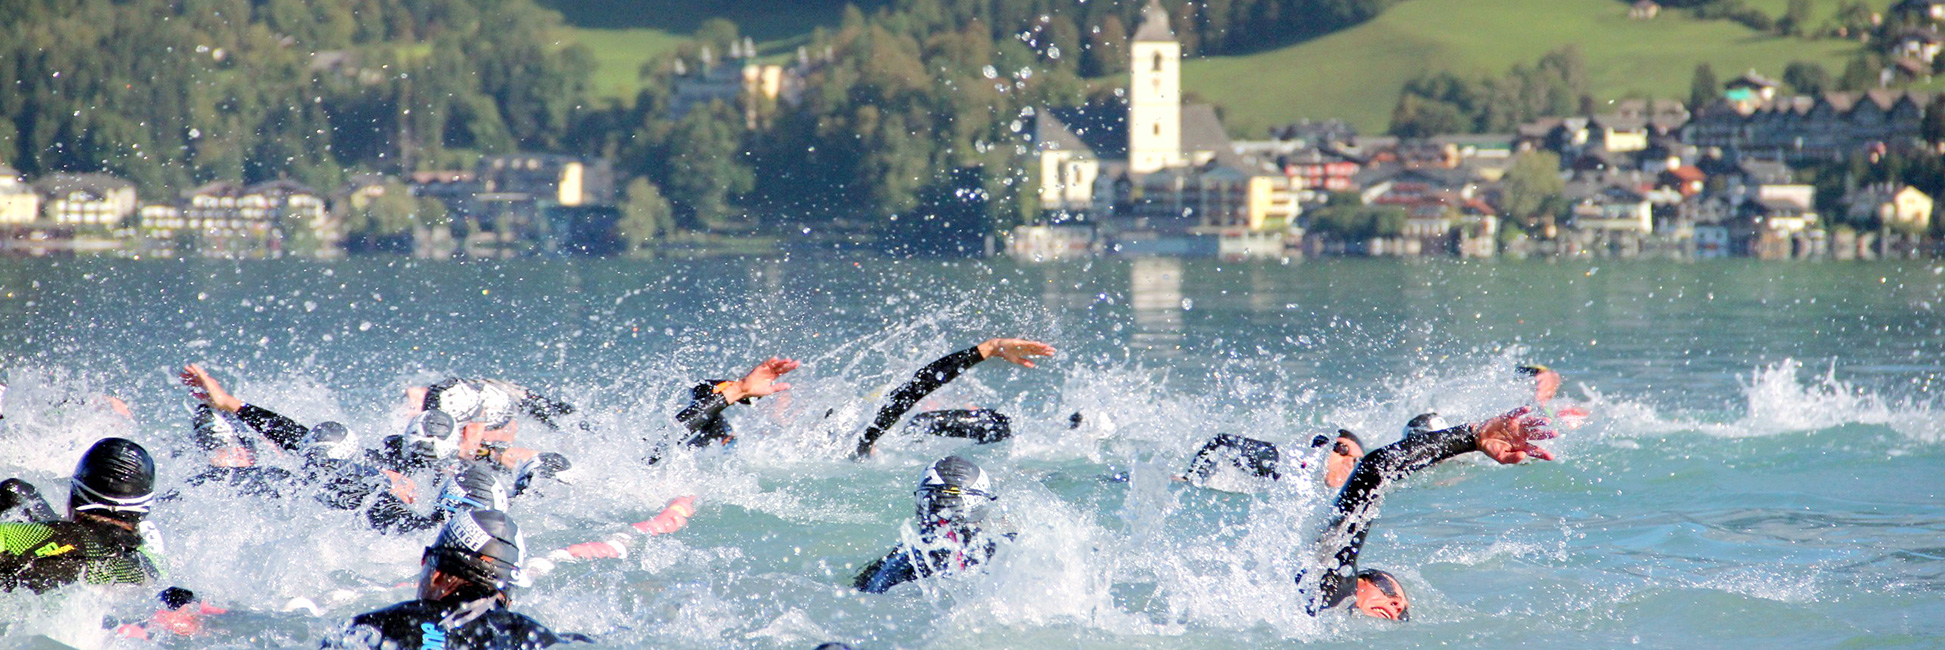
(431, 638)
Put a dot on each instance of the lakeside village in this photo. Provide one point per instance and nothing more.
(1162, 177)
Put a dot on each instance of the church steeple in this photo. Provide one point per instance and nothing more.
(1154, 97)
(1154, 23)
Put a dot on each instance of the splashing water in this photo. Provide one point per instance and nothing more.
(1717, 493)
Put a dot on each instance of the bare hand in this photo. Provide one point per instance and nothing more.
(1015, 350)
(205, 388)
(1508, 438)
(761, 380)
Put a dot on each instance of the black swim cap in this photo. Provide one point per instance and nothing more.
(1390, 586)
(115, 478)
(982, 425)
(483, 547)
(477, 487)
(1530, 370)
(1346, 433)
(954, 489)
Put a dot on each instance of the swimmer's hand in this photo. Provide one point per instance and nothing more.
(204, 387)
(1509, 438)
(760, 382)
(1015, 350)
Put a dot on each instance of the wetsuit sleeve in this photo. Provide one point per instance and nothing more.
(1357, 506)
(21, 502)
(388, 514)
(279, 429)
(902, 399)
(894, 569)
(705, 408)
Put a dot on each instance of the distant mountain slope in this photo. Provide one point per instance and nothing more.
(1355, 74)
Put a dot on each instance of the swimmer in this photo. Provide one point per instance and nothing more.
(1546, 385)
(980, 425)
(1507, 439)
(953, 503)
(488, 406)
(465, 589)
(102, 540)
(1233, 463)
(703, 417)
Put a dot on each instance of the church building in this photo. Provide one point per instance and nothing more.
(1154, 164)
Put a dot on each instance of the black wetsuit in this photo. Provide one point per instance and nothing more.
(20, 502)
(492, 402)
(447, 624)
(45, 555)
(927, 379)
(958, 549)
(703, 417)
(1357, 504)
(340, 484)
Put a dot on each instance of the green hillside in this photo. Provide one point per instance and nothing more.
(624, 34)
(1356, 74)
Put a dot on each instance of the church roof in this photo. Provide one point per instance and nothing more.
(1202, 130)
(1101, 131)
(1154, 24)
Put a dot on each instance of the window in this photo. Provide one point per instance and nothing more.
(1158, 128)
(1158, 61)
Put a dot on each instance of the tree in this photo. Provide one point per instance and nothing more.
(1795, 19)
(383, 221)
(705, 162)
(1107, 49)
(1532, 179)
(1860, 74)
(1932, 128)
(1807, 78)
(645, 215)
(1702, 88)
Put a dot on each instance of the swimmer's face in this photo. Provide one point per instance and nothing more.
(1545, 385)
(1386, 600)
(1343, 458)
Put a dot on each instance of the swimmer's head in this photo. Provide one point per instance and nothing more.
(1343, 457)
(480, 552)
(955, 491)
(1425, 423)
(477, 487)
(328, 441)
(430, 437)
(1380, 595)
(115, 479)
(222, 437)
(1546, 381)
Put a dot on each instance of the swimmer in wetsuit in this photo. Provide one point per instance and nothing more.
(953, 503)
(1507, 439)
(469, 575)
(101, 541)
(981, 425)
(1233, 463)
(703, 417)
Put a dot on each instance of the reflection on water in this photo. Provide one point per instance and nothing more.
(1156, 284)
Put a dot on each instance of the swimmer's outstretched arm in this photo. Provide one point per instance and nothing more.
(942, 372)
(279, 429)
(761, 381)
(1507, 439)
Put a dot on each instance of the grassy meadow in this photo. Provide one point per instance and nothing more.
(1356, 74)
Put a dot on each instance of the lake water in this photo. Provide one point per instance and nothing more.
(1763, 466)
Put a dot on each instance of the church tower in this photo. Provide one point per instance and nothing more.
(1155, 98)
